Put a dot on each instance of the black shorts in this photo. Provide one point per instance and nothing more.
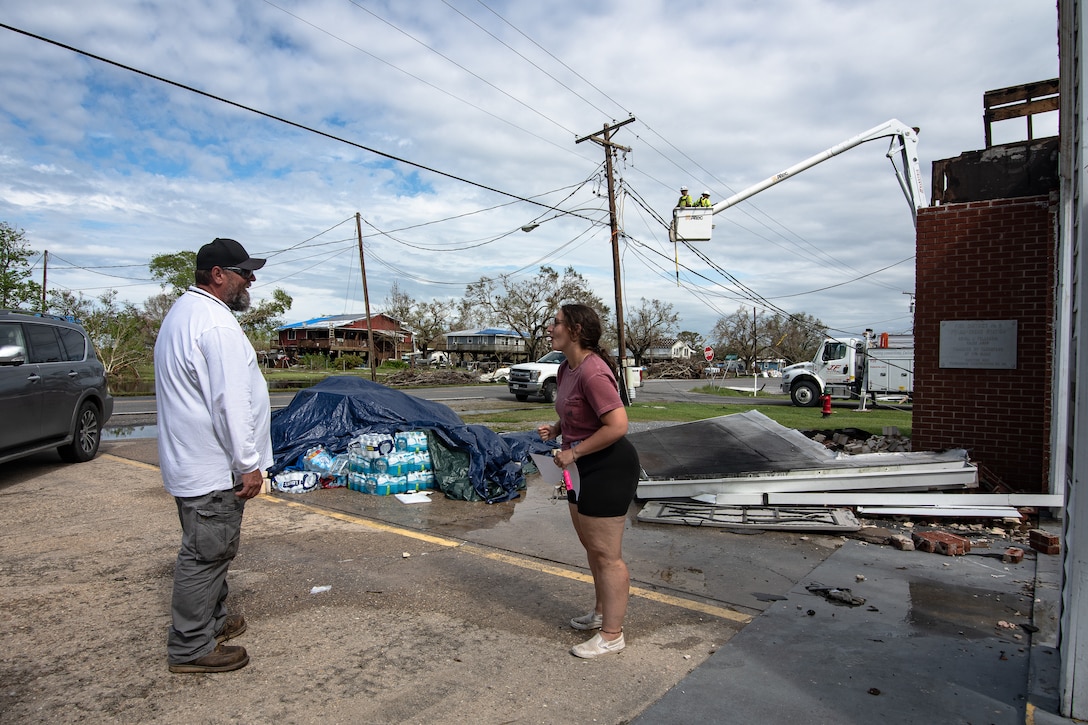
(608, 480)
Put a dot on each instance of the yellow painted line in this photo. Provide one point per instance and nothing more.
(519, 561)
(711, 609)
(368, 523)
(524, 562)
(137, 464)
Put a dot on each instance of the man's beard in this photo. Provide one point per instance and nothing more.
(239, 301)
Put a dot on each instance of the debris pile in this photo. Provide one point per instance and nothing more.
(426, 377)
(854, 441)
(1012, 537)
(676, 370)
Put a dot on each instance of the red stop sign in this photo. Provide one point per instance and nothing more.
(708, 353)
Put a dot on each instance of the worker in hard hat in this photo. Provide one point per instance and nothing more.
(685, 198)
(704, 200)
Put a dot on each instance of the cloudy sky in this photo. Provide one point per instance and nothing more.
(450, 124)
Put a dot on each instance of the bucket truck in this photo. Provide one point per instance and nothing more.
(694, 224)
(875, 366)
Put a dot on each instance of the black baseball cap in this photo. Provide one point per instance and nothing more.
(226, 253)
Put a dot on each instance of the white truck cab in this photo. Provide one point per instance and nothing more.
(536, 378)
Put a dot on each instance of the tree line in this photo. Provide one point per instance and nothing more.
(124, 333)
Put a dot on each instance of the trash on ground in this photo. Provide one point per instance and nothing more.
(836, 595)
(414, 497)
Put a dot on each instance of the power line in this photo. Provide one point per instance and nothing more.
(522, 56)
(553, 57)
(274, 117)
(427, 83)
(452, 61)
(807, 248)
(94, 270)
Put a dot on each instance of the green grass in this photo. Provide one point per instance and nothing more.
(873, 420)
(742, 388)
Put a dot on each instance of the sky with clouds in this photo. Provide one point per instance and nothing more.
(448, 125)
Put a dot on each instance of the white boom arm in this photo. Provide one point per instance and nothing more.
(694, 224)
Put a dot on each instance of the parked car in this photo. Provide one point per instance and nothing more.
(499, 375)
(52, 388)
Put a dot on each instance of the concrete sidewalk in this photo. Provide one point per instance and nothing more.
(927, 646)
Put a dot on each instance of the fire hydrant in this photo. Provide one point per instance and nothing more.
(826, 399)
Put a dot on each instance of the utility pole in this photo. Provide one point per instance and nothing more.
(366, 300)
(755, 352)
(604, 139)
(45, 266)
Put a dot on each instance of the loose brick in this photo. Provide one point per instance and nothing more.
(872, 534)
(903, 543)
(922, 543)
(1044, 541)
(940, 542)
(1013, 555)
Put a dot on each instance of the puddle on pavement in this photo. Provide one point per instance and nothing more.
(958, 610)
(441, 517)
(129, 432)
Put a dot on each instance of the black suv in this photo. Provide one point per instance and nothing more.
(52, 388)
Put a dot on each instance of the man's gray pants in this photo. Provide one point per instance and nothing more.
(211, 526)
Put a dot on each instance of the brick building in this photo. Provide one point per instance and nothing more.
(987, 261)
(985, 299)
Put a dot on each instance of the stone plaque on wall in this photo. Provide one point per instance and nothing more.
(983, 344)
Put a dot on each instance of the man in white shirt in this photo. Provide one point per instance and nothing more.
(214, 417)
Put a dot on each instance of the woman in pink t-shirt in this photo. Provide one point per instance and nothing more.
(593, 423)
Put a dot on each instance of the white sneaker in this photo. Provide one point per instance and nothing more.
(597, 646)
(587, 621)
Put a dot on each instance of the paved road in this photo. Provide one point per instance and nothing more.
(136, 408)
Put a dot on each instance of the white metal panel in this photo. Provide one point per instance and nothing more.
(966, 512)
(928, 498)
(732, 499)
(905, 477)
(1070, 441)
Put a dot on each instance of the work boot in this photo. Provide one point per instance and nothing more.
(233, 626)
(223, 658)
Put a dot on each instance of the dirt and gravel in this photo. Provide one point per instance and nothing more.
(416, 628)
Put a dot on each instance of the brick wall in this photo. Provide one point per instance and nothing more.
(987, 260)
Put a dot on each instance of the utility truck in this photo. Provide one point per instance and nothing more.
(695, 224)
(851, 368)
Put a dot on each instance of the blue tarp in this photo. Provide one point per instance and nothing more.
(337, 409)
